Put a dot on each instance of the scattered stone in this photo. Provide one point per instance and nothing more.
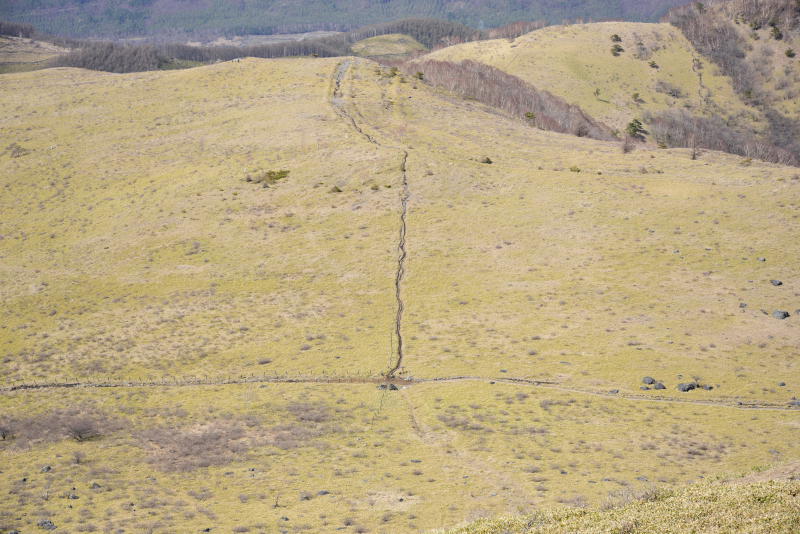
(659, 385)
(780, 314)
(284, 518)
(647, 380)
(400, 499)
(72, 496)
(781, 384)
(742, 305)
(392, 387)
(95, 485)
(765, 312)
(684, 387)
(46, 524)
(643, 479)
(251, 469)
(382, 386)
(762, 259)
(614, 391)
(45, 469)
(229, 473)
(485, 159)
(644, 388)
(323, 492)
(794, 403)
(415, 461)
(776, 282)
(708, 387)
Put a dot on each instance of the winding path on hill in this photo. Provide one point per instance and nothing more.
(338, 104)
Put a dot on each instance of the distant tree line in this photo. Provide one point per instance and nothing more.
(511, 94)
(117, 58)
(112, 19)
(110, 57)
(15, 29)
(681, 129)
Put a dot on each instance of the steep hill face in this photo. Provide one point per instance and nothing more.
(207, 274)
(112, 18)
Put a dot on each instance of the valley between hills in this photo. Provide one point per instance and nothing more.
(322, 294)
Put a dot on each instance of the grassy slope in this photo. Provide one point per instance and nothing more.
(22, 55)
(573, 61)
(768, 507)
(494, 250)
(392, 45)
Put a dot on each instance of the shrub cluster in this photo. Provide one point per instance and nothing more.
(681, 129)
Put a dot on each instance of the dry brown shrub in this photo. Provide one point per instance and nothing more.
(215, 444)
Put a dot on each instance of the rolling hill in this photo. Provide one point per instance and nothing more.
(314, 294)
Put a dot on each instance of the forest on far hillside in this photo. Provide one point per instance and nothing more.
(171, 20)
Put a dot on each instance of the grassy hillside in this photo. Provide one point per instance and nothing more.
(575, 61)
(139, 263)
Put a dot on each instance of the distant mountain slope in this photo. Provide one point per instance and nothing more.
(115, 18)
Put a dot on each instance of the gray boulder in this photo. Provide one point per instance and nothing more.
(644, 388)
(647, 380)
(45, 469)
(780, 314)
(776, 282)
(708, 387)
(659, 385)
(46, 524)
(781, 384)
(684, 387)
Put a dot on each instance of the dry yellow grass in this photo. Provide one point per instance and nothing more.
(519, 269)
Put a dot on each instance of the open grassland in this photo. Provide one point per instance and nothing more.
(391, 45)
(574, 61)
(129, 228)
(431, 456)
(134, 248)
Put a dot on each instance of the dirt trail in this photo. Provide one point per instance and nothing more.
(401, 247)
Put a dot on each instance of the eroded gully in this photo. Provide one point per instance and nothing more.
(338, 105)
